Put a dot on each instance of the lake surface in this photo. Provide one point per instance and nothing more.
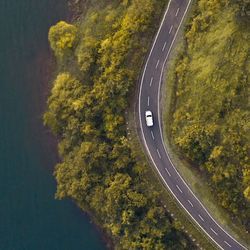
(30, 217)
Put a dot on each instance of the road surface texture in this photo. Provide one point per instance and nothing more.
(149, 99)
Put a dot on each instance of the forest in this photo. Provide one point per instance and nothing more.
(210, 105)
(99, 60)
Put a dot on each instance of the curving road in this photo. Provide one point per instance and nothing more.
(149, 98)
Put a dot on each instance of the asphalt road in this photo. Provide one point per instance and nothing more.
(149, 99)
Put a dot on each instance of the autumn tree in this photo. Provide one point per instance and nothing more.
(62, 37)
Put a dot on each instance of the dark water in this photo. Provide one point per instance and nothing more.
(30, 218)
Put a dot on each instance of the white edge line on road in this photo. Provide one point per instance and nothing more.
(140, 91)
(227, 243)
(158, 153)
(159, 120)
(170, 29)
(201, 217)
(213, 231)
(168, 172)
(179, 188)
(148, 101)
(152, 134)
(150, 84)
(164, 46)
(177, 12)
(190, 203)
(143, 136)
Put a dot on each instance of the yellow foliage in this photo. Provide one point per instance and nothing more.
(247, 193)
(62, 37)
(216, 152)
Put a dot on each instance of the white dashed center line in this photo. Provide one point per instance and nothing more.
(179, 189)
(148, 100)
(213, 231)
(151, 81)
(201, 217)
(158, 153)
(177, 12)
(157, 64)
(164, 46)
(152, 134)
(170, 29)
(227, 243)
(167, 171)
(190, 203)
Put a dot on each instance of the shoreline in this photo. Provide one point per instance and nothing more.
(47, 63)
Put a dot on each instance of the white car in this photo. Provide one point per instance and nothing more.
(149, 118)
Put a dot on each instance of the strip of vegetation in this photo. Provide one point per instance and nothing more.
(210, 102)
(98, 61)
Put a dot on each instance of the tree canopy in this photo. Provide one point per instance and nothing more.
(86, 110)
(62, 37)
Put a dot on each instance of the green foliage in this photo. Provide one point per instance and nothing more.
(211, 103)
(247, 193)
(62, 37)
(86, 110)
(65, 104)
